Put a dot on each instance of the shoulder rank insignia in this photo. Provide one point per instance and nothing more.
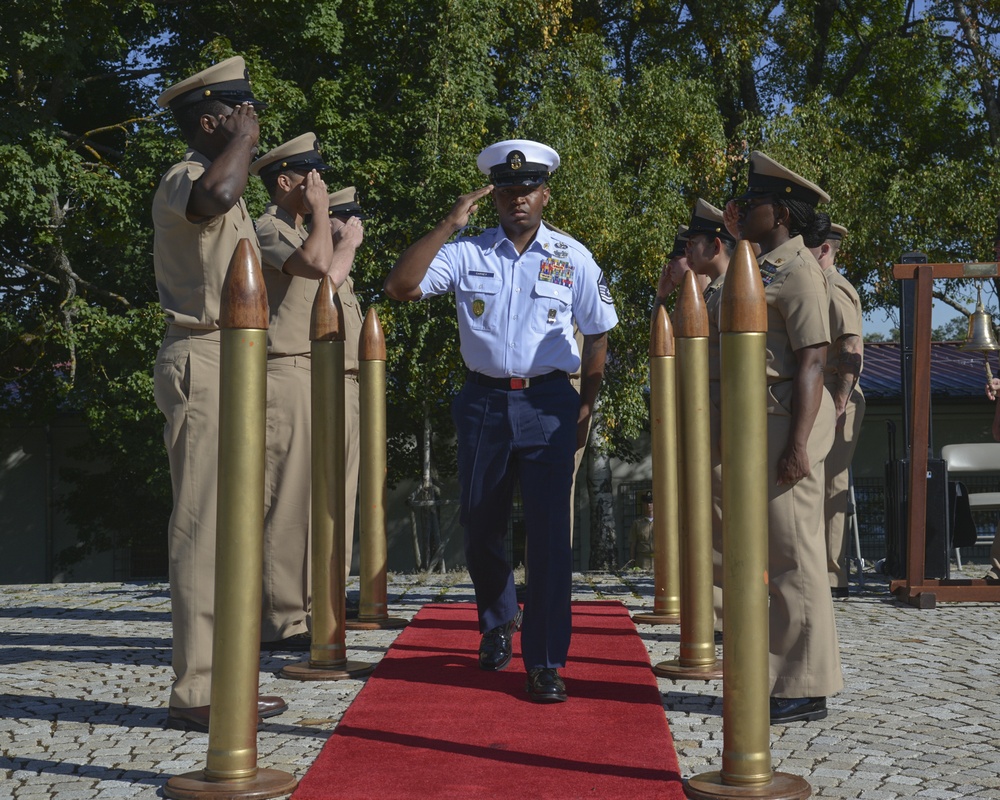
(603, 290)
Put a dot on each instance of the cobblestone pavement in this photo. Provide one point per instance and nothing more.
(85, 670)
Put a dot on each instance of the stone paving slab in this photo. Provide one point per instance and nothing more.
(85, 672)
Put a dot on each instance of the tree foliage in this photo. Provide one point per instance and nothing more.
(651, 104)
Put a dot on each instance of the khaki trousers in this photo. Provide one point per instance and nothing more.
(287, 493)
(715, 432)
(838, 464)
(352, 459)
(804, 651)
(287, 590)
(186, 389)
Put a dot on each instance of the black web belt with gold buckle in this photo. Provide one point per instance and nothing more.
(514, 383)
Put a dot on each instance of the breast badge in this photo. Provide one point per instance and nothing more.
(478, 306)
(767, 272)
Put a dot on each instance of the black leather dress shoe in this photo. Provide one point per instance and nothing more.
(795, 709)
(296, 643)
(196, 718)
(840, 591)
(188, 719)
(545, 685)
(497, 645)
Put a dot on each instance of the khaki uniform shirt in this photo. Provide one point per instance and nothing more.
(798, 315)
(190, 260)
(291, 298)
(845, 319)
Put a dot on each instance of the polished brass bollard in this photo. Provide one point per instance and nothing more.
(746, 718)
(663, 431)
(328, 654)
(374, 610)
(697, 651)
(231, 767)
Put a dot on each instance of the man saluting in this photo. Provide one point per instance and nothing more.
(518, 289)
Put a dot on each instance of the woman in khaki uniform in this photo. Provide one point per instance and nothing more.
(777, 210)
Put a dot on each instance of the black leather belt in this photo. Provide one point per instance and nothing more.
(514, 383)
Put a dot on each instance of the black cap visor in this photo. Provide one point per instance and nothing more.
(232, 93)
(348, 210)
(303, 162)
(527, 174)
(704, 227)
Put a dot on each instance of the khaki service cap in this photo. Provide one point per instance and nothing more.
(227, 81)
(344, 203)
(707, 219)
(768, 177)
(300, 153)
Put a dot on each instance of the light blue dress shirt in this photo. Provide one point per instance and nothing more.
(516, 312)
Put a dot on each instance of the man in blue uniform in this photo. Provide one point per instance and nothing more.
(518, 288)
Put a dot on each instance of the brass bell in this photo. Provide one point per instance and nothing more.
(980, 338)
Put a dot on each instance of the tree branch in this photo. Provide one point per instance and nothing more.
(987, 90)
(953, 303)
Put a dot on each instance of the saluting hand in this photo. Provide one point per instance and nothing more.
(731, 218)
(466, 206)
(315, 192)
(348, 234)
(242, 122)
(665, 285)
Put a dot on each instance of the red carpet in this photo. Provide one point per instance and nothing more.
(431, 724)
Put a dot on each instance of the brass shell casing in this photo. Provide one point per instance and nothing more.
(663, 430)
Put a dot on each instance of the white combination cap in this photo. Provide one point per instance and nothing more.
(518, 162)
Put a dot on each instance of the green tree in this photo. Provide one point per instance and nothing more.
(651, 104)
(77, 299)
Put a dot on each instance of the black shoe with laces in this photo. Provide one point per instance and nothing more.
(497, 645)
(296, 643)
(545, 685)
(796, 709)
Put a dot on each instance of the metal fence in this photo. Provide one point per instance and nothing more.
(629, 495)
(870, 504)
